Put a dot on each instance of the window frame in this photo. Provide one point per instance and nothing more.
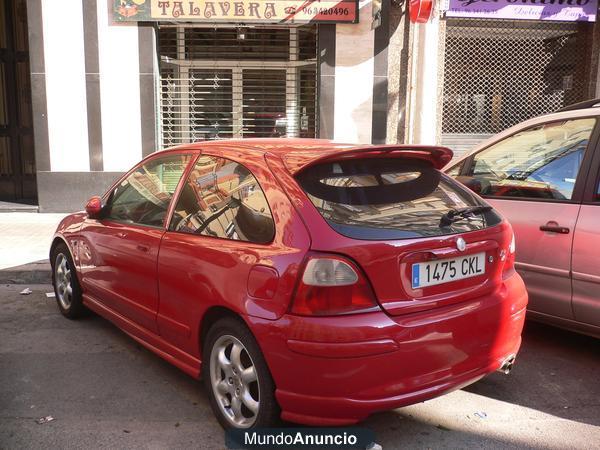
(591, 191)
(179, 190)
(157, 155)
(580, 190)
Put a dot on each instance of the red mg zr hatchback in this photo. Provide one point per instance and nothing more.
(302, 279)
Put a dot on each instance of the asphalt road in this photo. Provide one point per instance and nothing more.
(106, 391)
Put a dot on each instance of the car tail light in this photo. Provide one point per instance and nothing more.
(332, 285)
(508, 257)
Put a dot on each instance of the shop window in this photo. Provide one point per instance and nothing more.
(211, 111)
(307, 43)
(262, 44)
(308, 105)
(264, 108)
(222, 199)
(498, 73)
(219, 83)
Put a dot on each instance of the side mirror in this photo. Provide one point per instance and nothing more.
(94, 207)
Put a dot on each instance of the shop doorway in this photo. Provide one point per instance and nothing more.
(17, 160)
(219, 83)
(498, 73)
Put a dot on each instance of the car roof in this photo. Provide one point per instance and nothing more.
(300, 153)
(561, 115)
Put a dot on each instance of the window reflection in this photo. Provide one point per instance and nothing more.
(144, 196)
(223, 199)
(387, 199)
(542, 162)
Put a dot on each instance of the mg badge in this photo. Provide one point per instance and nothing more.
(461, 244)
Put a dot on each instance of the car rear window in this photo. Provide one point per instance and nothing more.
(390, 198)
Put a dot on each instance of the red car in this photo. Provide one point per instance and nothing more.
(301, 279)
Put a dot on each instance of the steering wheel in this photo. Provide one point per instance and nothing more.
(151, 215)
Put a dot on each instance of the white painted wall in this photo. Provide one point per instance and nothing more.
(425, 99)
(354, 66)
(119, 91)
(65, 86)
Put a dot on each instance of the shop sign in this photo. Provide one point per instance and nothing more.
(237, 11)
(555, 10)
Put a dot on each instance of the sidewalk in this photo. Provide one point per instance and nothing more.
(25, 240)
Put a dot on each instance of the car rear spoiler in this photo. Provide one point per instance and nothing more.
(437, 155)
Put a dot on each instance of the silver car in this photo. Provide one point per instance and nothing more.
(544, 176)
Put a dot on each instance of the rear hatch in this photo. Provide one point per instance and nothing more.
(422, 239)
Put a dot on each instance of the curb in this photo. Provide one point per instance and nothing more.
(18, 208)
(33, 273)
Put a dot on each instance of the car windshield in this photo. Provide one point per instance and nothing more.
(390, 198)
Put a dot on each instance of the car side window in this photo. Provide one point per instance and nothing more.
(222, 199)
(144, 196)
(537, 163)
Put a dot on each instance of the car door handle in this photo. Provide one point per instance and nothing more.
(121, 234)
(143, 248)
(554, 228)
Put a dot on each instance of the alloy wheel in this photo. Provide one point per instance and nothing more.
(234, 381)
(62, 281)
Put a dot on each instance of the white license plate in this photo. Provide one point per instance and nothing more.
(446, 270)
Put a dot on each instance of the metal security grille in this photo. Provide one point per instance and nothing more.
(219, 83)
(498, 73)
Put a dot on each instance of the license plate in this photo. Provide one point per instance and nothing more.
(446, 270)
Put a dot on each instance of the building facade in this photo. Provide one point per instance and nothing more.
(92, 86)
(114, 80)
(483, 66)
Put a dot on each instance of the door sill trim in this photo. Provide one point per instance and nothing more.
(565, 324)
(541, 269)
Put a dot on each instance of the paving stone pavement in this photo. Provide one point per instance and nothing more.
(25, 237)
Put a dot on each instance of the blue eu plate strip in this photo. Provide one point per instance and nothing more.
(415, 275)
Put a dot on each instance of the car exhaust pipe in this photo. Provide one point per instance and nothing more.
(507, 365)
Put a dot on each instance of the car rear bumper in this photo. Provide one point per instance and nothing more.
(338, 411)
(338, 370)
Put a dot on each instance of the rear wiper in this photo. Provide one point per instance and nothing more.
(454, 215)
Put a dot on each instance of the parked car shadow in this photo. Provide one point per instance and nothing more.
(555, 378)
(552, 374)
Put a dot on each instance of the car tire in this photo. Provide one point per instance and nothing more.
(240, 388)
(65, 282)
